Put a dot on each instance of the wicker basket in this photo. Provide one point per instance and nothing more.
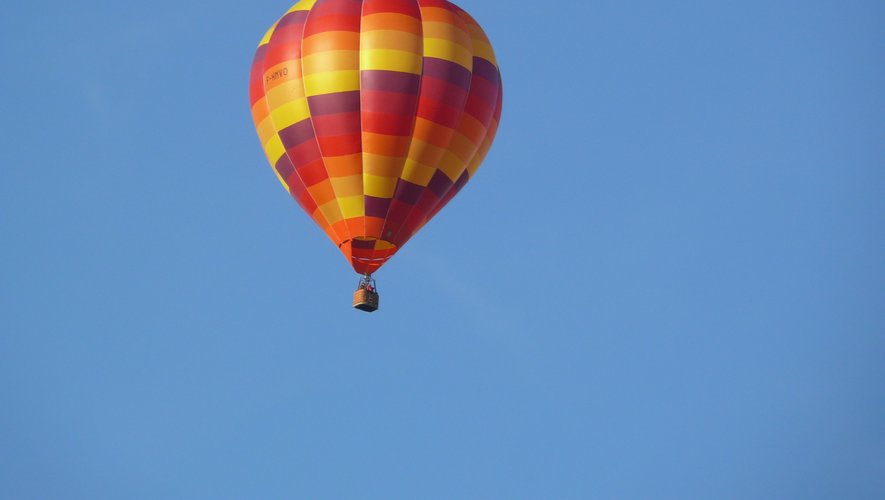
(364, 300)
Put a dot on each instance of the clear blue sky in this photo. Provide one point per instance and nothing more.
(667, 281)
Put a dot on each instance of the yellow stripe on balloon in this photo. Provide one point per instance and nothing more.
(484, 50)
(274, 149)
(332, 82)
(378, 186)
(352, 206)
(417, 173)
(290, 113)
(391, 60)
(448, 50)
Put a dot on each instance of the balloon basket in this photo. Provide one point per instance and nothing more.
(365, 298)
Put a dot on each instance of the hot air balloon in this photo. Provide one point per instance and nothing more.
(374, 114)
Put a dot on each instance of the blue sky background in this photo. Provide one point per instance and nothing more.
(666, 282)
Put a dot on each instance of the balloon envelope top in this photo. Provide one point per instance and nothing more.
(374, 114)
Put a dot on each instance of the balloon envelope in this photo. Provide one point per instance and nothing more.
(374, 114)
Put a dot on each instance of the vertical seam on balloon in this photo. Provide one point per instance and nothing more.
(285, 151)
(315, 136)
(396, 236)
(412, 130)
(360, 94)
(373, 253)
